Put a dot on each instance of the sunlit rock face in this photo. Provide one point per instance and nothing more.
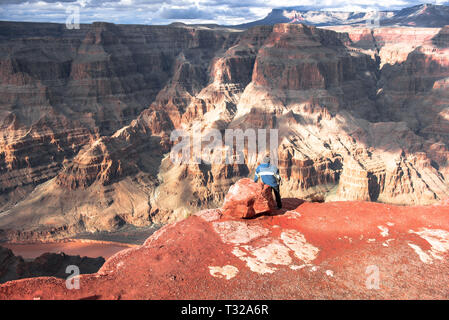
(86, 118)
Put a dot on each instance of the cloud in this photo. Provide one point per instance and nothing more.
(181, 13)
(3, 2)
(227, 12)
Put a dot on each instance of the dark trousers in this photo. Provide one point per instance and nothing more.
(277, 193)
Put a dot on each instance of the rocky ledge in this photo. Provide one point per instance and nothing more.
(339, 250)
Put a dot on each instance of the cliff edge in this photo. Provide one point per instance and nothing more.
(339, 250)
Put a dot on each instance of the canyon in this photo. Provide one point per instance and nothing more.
(86, 117)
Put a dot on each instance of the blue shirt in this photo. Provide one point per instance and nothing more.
(269, 174)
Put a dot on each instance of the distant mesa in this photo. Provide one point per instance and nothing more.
(424, 15)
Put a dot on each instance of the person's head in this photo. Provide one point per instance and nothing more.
(266, 160)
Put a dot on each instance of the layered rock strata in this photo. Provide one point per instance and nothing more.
(86, 119)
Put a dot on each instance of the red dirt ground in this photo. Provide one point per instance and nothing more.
(307, 251)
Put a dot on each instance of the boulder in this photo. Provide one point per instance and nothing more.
(247, 198)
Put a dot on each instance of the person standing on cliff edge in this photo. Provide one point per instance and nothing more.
(269, 174)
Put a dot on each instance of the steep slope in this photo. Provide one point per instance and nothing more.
(70, 97)
(389, 45)
(340, 250)
(424, 15)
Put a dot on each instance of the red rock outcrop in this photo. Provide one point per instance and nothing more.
(247, 198)
(338, 250)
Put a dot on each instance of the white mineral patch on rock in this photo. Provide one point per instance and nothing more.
(227, 272)
(252, 262)
(387, 243)
(269, 252)
(295, 267)
(238, 253)
(238, 232)
(274, 253)
(437, 238)
(384, 231)
(297, 242)
(422, 255)
(258, 259)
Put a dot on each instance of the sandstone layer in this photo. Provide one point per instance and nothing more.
(246, 198)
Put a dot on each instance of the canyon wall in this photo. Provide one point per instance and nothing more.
(86, 118)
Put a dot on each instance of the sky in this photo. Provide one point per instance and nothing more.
(226, 12)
